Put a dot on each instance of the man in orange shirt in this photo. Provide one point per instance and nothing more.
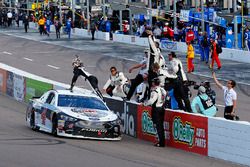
(214, 54)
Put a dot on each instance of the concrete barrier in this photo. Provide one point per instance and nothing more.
(227, 54)
(214, 137)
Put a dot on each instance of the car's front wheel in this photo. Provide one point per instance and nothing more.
(54, 125)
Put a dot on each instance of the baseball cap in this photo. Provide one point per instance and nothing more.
(202, 89)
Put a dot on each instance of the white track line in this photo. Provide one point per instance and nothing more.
(27, 59)
(53, 67)
(8, 53)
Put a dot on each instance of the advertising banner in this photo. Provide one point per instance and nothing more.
(145, 130)
(18, 87)
(35, 88)
(168, 44)
(184, 15)
(187, 132)
(196, 49)
(127, 114)
(182, 131)
(3, 75)
(9, 84)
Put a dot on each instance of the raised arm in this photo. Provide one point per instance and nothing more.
(135, 67)
(216, 81)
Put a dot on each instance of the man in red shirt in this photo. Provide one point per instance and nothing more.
(190, 35)
(214, 54)
(165, 31)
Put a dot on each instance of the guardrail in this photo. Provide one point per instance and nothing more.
(209, 136)
(227, 54)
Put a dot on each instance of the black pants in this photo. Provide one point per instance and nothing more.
(180, 94)
(227, 111)
(134, 83)
(92, 80)
(158, 119)
(57, 33)
(26, 27)
(151, 75)
(93, 34)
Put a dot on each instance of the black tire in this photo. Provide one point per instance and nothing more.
(32, 121)
(54, 125)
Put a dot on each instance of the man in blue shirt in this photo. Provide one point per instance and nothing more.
(68, 27)
(247, 39)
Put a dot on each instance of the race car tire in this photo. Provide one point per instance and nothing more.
(32, 121)
(54, 125)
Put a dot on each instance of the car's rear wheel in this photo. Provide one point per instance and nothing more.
(32, 120)
(54, 125)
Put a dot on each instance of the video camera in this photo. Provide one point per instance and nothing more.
(211, 93)
(206, 84)
(190, 83)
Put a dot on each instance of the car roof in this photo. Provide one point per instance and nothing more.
(77, 93)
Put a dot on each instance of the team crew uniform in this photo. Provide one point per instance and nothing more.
(80, 70)
(157, 97)
(115, 84)
(178, 84)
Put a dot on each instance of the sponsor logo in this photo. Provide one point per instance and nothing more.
(168, 45)
(94, 130)
(183, 132)
(128, 123)
(200, 139)
(43, 116)
(147, 124)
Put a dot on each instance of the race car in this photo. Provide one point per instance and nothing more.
(73, 114)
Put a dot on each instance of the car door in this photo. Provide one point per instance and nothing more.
(43, 116)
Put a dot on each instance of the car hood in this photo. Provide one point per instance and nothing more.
(89, 114)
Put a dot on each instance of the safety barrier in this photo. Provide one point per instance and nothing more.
(214, 137)
(227, 54)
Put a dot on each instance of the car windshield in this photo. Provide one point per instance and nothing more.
(80, 102)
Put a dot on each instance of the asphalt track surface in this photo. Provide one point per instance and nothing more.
(47, 57)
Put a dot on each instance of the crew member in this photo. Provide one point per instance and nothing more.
(80, 70)
(156, 100)
(178, 84)
(140, 77)
(115, 84)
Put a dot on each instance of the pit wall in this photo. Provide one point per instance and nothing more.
(213, 137)
(227, 54)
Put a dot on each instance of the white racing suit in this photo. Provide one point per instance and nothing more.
(115, 85)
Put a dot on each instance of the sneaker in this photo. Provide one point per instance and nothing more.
(158, 145)
(218, 68)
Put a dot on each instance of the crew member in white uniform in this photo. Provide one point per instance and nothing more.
(157, 98)
(115, 83)
(176, 67)
(79, 69)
